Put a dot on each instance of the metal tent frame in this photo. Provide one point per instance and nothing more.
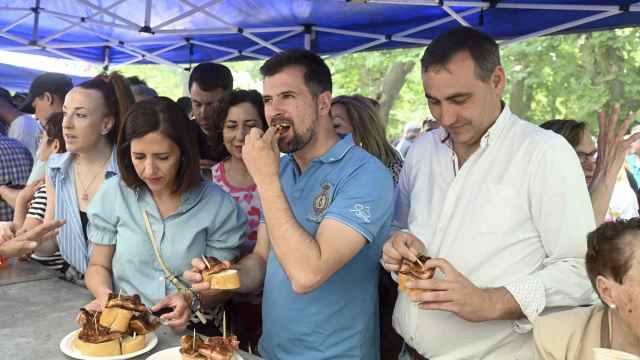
(158, 37)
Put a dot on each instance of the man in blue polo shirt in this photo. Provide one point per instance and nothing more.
(326, 209)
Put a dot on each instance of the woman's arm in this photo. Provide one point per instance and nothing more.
(98, 275)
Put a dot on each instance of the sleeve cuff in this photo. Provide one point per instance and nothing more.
(101, 237)
(529, 293)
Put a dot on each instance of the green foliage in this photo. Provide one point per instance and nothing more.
(566, 76)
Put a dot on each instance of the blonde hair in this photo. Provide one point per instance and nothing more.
(368, 131)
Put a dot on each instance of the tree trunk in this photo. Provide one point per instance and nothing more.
(391, 86)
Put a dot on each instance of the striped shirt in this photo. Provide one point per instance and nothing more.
(38, 203)
(72, 242)
(15, 167)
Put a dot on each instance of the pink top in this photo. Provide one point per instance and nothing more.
(247, 198)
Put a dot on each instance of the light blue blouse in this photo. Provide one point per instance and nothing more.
(73, 246)
(208, 222)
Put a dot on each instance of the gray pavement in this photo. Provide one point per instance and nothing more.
(37, 310)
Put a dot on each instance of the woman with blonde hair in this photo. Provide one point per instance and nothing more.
(357, 115)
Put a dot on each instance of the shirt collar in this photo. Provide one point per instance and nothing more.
(493, 133)
(61, 162)
(188, 199)
(338, 151)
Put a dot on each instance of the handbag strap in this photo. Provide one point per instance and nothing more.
(168, 274)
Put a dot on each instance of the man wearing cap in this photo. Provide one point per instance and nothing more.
(46, 96)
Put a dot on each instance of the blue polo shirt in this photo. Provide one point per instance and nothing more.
(338, 320)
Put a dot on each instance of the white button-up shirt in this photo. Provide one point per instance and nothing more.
(516, 214)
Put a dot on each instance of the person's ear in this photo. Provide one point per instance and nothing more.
(48, 98)
(55, 146)
(107, 124)
(498, 80)
(607, 289)
(324, 103)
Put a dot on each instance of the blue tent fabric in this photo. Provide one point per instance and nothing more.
(16, 78)
(192, 31)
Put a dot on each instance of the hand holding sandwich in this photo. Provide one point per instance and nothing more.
(261, 155)
(401, 245)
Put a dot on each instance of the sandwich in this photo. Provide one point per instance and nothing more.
(121, 328)
(212, 348)
(220, 275)
(413, 270)
(119, 310)
(95, 339)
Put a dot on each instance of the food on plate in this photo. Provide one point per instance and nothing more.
(120, 329)
(212, 348)
(414, 270)
(220, 276)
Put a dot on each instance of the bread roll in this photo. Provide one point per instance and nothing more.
(224, 280)
(109, 348)
(132, 344)
(116, 319)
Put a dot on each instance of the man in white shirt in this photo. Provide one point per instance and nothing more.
(499, 204)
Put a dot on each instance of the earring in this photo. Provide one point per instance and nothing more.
(612, 306)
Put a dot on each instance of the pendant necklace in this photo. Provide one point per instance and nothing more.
(85, 193)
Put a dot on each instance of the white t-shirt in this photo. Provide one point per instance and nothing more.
(26, 130)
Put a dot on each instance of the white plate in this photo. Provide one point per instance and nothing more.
(67, 348)
(174, 354)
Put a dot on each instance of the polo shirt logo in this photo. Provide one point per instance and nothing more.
(362, 212)
(322, 200)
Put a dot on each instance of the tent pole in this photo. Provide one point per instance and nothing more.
(36, 23)
(185, 14)
(107, 59)
(359, 48)
(349, 32)
(435, 23)
(455, 15)
(275, 40)
(79, 22)
(147, 14)
(109, 13)
(260, 41)
(17, 22)
(564, 26)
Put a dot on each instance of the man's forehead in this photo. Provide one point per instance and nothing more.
(204, 96)
(291, 78)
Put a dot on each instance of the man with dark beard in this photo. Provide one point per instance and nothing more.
(326, 211)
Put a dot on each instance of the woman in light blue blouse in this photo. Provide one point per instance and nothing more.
(189, 217)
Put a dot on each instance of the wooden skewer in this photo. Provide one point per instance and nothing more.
(224, 324)
(206, 262)
(419, 262)
(193, 347)
(250, 352)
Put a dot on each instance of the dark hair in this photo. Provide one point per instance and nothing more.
(317, 76)
(211, 76)
(368, 131)
(53, 129)
(117, 98)
(483, 50)
(185, 103)
(134, 80)
(218, 151)
(571, 130)
(610, 250)
(163, 115)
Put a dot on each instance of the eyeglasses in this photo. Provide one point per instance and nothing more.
(584, 157)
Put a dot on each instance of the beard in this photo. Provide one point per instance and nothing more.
(299, 139)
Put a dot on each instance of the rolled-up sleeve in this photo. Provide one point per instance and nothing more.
(227, 230)
(562, 213)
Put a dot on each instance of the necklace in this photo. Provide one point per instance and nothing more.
(85, 193)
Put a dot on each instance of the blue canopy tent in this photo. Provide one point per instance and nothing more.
(16, 78)
(190, 31)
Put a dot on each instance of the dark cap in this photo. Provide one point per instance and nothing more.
(54, 83)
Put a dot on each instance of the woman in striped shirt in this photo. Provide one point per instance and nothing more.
(92, 112)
